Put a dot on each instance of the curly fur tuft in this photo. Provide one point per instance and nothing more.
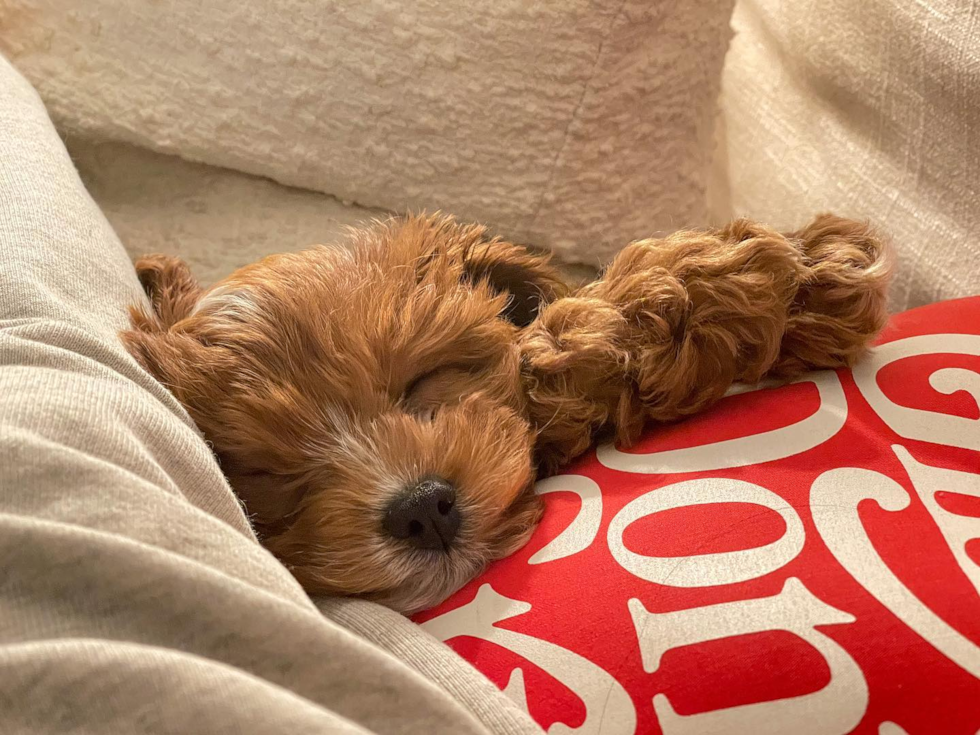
(841, 303)
(674, 322)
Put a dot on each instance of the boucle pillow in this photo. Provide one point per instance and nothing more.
(866, 109)
(801, 559)
(516, 114)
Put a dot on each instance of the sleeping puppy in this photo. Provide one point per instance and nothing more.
(382, 408)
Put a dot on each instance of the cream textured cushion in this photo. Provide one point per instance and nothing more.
(134, 597)
(867, 108)
(215, 219)
(569, 123)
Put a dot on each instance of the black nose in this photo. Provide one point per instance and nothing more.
(425, 515)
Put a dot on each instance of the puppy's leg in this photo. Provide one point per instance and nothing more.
(172, 290)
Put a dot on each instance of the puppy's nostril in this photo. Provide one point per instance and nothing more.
(425, 515)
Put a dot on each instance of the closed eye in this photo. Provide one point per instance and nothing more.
(430, 375)
(412, 387)
(432, 390)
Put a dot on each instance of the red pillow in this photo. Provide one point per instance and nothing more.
(798, 559)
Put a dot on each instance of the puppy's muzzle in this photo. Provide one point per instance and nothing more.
(424, 515)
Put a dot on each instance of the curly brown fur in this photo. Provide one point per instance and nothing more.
(841, 304)
(674, 322)
(172, 290)
(330, 381)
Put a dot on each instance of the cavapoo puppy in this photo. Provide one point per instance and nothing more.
(383, 408)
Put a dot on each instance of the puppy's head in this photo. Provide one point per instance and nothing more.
(365, 402)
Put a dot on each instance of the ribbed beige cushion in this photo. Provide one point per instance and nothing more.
(134, 597)
(869, 108)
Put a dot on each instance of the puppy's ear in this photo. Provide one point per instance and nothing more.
(842, 302)
(673, 322)
(527, 277)
(169, 355)
(172, 290)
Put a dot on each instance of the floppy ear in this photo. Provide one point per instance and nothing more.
(172, 357)
(674, 322)
(172, 290)
(842, 301)
(527, 277)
